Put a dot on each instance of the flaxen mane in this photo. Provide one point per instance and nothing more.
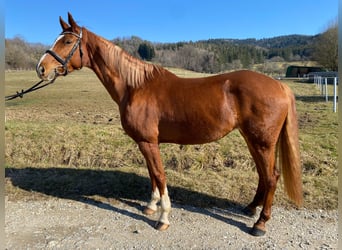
(133, 71)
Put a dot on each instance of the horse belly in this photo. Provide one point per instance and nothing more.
(188, 139)
(197, 130)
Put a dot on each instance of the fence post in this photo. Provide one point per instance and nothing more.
(326, 89)
(335, 94)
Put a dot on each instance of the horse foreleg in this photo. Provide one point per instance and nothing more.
(165, 204)
(159, 189)
(152, 207)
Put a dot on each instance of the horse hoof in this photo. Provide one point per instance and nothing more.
(148, 211)
(249, 212)
(161, 226)
(257, 232)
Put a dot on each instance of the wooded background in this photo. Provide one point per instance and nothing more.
(209, 56)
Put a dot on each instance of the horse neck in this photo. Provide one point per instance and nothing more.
(98, 59)
(117, 70)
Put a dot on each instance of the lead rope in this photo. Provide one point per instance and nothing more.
(33, 88)
(60, 60)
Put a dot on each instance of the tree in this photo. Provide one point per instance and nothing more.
(21, 55)
(146, 51)
(326, 48)
(129, 44)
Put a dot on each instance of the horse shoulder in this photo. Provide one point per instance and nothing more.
(139, 116)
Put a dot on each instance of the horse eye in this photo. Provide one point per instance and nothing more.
(68, 42)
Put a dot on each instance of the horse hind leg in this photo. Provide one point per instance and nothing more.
(270, 182)
(250, 210)
(264, 157)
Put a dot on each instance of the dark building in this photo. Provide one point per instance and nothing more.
(302, 71)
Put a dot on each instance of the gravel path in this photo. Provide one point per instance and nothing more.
(67, 224)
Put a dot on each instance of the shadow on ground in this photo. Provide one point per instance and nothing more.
(101, 188)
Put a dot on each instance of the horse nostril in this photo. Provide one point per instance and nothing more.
(41, 70)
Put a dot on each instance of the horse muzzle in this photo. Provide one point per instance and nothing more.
(48, 76)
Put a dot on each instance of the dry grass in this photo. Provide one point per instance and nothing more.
(66, 140)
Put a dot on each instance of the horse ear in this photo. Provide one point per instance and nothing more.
(71, 21)
(63, 24)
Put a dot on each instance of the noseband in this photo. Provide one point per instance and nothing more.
(64, 63)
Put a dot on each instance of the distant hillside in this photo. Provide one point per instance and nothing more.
(215, 55)
(277, 42)
(210, 56)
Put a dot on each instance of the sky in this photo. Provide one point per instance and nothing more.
(172, 20)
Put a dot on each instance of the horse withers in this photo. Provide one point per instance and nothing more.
(157, 107)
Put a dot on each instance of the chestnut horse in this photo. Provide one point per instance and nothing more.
(157, 107)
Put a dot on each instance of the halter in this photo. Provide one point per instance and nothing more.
(68, 58)
(56, 73)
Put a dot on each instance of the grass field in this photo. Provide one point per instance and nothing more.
(66, 140)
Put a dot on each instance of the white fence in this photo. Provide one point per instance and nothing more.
(322, 84)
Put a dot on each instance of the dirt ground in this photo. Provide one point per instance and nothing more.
(68, 218)
(57, 223)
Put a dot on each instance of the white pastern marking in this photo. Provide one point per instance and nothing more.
(155, 197)
(165, 204)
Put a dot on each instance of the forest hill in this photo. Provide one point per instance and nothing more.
(210, 56)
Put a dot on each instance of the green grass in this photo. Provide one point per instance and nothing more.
(67, 137)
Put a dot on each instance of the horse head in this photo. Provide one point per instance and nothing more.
(65, 54)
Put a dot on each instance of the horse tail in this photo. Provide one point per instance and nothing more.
(289, 157)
